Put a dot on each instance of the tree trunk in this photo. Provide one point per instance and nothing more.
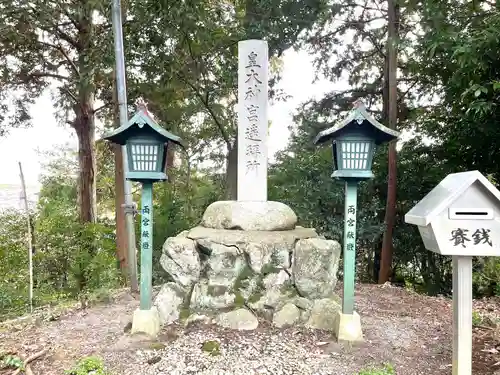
(169, 165)
(84, 117)
(85, 131)
(390, 209)
(120, 223)
(87, 193)
(232, 172)
(121, 228)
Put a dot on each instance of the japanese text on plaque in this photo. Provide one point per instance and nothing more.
(351, 224)
(145, 225)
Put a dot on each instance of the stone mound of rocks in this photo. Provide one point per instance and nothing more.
(268, 267)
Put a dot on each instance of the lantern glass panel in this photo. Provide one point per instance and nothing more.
(355, 154)
(145, 157)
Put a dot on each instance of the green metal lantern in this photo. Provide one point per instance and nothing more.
(146, 143)
(353, 141)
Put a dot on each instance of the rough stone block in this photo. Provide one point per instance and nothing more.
(315, 266)
(268, 215)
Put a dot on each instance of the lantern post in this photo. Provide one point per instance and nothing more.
(353, 143)
(146, 143)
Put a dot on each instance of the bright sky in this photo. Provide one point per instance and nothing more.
(22, 144)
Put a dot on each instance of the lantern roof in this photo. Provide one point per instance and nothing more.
(141, 123)
(358, 119)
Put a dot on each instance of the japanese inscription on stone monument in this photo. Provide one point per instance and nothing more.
(254, 83)
(252, 120)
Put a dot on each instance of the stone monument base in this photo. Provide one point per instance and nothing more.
(249, 260)
(146, 321)
(347, 327)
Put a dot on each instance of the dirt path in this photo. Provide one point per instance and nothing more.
(71, 336)
(410, 331)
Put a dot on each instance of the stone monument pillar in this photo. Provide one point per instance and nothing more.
(252, 120)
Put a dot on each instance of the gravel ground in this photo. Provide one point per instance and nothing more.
(411, 332)
(266, 351)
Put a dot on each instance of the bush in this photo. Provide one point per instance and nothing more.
(486, 276)
(74, 256)
(70, 257)
(87, 366)
(14, 272)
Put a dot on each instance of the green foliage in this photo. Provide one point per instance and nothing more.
(446, 97)
(70, 257)
(14, 261)
(87, 366)
(74, 256)
(386, 370)
(69, 53)
(486, 276)
(11, 361)
(476, 318)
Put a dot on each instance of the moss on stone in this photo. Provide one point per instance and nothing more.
(239, 300)
(184, 313)
(216, 290)
(289, 290)
(157, 346)
(337, 299)
(268, 269)
(186, 302)
(255, 297)
(243, 278)
(211, 347)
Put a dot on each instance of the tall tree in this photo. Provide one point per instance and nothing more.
(201, 63)
(392, 108)
(62, 45)
(348, 44)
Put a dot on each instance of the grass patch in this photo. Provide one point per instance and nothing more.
(11, 362)
(477, 319)
(387, 369)
(87, 366)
